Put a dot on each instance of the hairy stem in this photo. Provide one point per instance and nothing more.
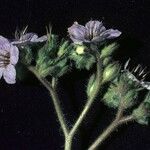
(53, 93)
(120, 110)
(59, 112)
(119, 120)
(114, 125)
(88, 105)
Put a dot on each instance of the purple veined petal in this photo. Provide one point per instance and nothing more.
(14, 55)
(98, 39)
(4, 45)
(23, 39)
(102, 29)
(9, 74)
(1, 72)
(76, 41)
(4, 49)
(111, 33)
(28, 37)
(93, 32)
(79, 41)
(77, 32)
(94, 28)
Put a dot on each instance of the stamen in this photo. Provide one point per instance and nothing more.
(6, 55)
(4, 59)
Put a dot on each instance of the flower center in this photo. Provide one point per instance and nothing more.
(4, 59)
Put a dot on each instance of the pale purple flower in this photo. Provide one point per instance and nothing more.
(29, 38)
(9, 55)
(92, 32)
(140, 74)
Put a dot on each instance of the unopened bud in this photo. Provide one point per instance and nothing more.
(106, 61)
(110, 72)
(142, 113)
(80, 49)
(62, 48)
(108, 50)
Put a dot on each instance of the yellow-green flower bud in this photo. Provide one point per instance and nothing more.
(110, 72)
(106, 61)
(91, 85)
(80, 49)
(108, 50)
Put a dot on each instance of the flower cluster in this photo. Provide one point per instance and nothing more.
(93, 33)
(9, 53)
(49, 58)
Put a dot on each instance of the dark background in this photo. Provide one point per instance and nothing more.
(27, 117)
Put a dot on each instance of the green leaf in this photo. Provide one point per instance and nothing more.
(142, 113)
(111, 71)
(26, 55)
(84, 61)
(53, 57)
(118, 91)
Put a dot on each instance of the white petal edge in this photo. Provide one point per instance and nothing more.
(9, 74)
(40, 39)
(14, 55)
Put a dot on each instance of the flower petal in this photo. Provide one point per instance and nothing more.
(77, 33)
(9, 74)
(98, 39)
(29, 37)
(94, 28)
(14, 55)
(3, 40)
(40, 39)
(111, 34)
(4, 45)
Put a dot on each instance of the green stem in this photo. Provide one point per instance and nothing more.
(88, 105)
(119, 120)
(59, 112)
(53, 93)
(113, 126)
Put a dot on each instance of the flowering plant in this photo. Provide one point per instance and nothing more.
(49, 58)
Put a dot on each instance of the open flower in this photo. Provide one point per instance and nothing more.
(139, 79)
(92, 32)
(29, 38)
(8, 59)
